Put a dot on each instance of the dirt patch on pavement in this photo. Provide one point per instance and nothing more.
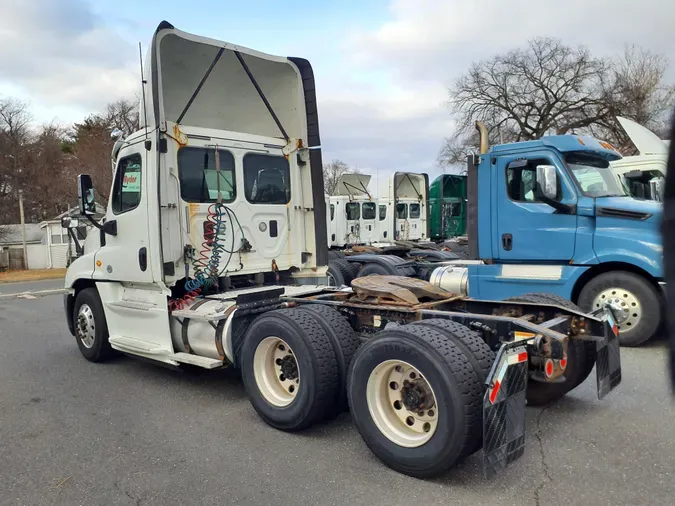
(31, 275)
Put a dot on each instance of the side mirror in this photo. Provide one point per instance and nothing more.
(656, 188)
(85, 194)
(68, 222)
(547, 182)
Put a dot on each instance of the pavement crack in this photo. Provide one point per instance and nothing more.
(546, 478)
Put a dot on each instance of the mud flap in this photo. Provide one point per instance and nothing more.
(504, 409)
(608, 363)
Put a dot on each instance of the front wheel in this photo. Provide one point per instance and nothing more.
(91, 328)
(635, 302)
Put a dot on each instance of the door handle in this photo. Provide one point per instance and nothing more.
(143, 258)
(507, 242)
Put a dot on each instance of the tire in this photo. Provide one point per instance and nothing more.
(96, 347)
(631, 286)
(356, 269)
(580, 359)
(345, 343)
(335, 255)
(370, 268)
(478, 354)
(454, 384)
(345, 269)
(335, 277)
(316, 367)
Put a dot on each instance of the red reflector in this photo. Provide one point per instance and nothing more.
(563, 363)
(522, 357)
(549, 368)
(494, 392)
(615, 329)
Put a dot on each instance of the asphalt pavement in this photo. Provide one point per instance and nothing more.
(129, 432)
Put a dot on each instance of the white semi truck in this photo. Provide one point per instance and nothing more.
(213, 254)
(643, 174)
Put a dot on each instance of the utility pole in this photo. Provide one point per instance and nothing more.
(23, 231)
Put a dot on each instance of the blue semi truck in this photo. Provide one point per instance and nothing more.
(550, 215)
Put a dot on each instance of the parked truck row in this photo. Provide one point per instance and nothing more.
(214, 249)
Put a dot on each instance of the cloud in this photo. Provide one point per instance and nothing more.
(426, 44)
(61, 53)
(436, 39)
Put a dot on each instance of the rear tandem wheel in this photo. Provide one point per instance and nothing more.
(415, 399)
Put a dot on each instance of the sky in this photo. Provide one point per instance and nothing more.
(382, 67)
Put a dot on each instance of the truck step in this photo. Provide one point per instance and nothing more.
(205, 362)
(135, 346)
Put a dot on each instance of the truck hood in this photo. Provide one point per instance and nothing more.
(628, 208)
(627, 230)
(646, 141)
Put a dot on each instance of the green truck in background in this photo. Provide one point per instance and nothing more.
(447, 207)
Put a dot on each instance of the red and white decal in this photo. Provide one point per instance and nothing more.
(516, 358)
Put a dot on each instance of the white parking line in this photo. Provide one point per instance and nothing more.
(33, 295)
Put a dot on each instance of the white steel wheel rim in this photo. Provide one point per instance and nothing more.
(86, 326)
(626, 306)
(276, 371)
(385, 393)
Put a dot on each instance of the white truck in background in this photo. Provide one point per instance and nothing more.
(643, 174)
(213, 254)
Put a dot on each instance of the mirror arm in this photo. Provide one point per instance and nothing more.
(558, 206)
(109, 227)
(79, 250)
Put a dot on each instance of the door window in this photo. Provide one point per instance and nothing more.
(401, 211)
(199, 181)
(414, 211)
(368, 210)
(332, 212)
(353, 210)
(126, 194)
(267, 179)
(521, 180)
(383, 212)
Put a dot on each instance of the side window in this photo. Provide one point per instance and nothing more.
(521, 180)
(401, 211)
(332, 212)
(126, 194)
(353, 210)
(198, 176)
(267, 179)
(368, 210)
(383, 212)
(414, 211)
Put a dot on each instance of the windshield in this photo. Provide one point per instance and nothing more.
(595, 176)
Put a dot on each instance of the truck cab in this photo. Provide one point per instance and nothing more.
(404, 216)
(218, 189)
(643, 174)
(353, 212)
(447, 206)
(551, 213)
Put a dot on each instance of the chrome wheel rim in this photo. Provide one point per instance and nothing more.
(626, 307)
(331, 279)
(86, 326)
(276, 371)
(402, 403)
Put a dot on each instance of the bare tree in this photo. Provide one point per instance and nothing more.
(331, 175)
(549, 87)
(15, 135)
(635, 89)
